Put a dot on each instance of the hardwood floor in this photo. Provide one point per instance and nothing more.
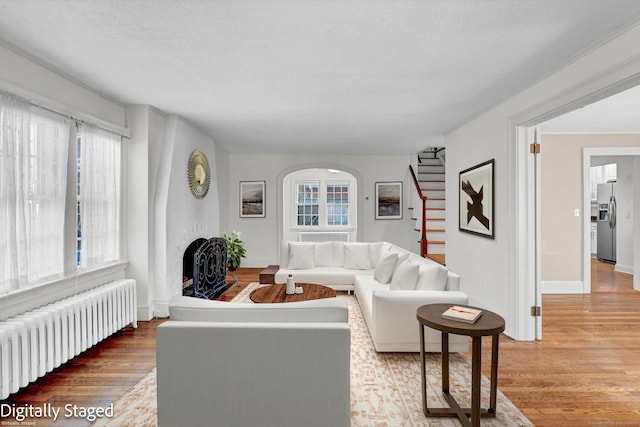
(585, 371)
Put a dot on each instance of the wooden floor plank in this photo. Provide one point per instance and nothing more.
(585, 371)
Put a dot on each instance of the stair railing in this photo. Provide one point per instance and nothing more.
(423, 220)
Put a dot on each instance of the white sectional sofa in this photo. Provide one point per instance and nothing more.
(268, 365)
(390, 283)
(334, 264)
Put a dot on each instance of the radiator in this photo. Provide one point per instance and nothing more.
(36, 342)
(323, 236)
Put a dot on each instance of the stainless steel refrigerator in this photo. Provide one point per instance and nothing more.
(607, 222)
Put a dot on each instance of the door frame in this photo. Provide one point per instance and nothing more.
(527, 219)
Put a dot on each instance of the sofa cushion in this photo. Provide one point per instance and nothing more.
(402, 257)
(384, 267)
(201, 310)
(432, 277)
(300, 256)
(405, 276)
(323, 254)
(375, 249)
(356, 256)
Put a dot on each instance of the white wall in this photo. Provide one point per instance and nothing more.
(498, 274)
(262, 235)
(31, 80)
(139, 208)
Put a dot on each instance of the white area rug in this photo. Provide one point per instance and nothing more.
(385, 387)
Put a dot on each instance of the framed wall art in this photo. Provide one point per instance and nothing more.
(389, 200)
(476, 207)
(252, 199)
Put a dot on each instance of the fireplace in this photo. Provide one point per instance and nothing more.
(204, 268)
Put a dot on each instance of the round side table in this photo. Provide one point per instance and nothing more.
(488, 324)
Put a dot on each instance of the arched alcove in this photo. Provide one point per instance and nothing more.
(319, 204)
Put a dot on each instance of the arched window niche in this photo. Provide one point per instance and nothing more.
(319, 204)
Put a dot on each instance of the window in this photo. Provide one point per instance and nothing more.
(322, 203)
(317, 201)
(99, 197)
(38, 186)
(338, 204)
(47, 181)
(33, 178)
(308, 204)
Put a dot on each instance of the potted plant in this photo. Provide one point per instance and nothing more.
(235, 249)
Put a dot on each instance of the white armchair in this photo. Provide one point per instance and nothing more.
(232, 364)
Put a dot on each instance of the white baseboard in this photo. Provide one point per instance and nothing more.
(145, 314)
(624, 268)
(562, 287)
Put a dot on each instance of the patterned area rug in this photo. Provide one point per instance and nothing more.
(385, 387)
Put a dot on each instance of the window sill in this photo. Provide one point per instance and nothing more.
(26, 299)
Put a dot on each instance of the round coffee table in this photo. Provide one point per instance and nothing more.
(277, 293)
(488, 324)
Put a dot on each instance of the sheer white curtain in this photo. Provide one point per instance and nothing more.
(33, 168)
(49, 153)
(99, 196)
(14, 145)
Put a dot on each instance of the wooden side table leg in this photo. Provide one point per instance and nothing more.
(445, 363)
(476, 365)
(494, 374)
(423, 369)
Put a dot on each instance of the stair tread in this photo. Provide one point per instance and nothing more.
(435, 230)
(435, 209)
(439, 258)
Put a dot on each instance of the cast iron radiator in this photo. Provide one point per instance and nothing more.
(36, 342)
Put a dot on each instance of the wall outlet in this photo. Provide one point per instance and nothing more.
(576, 212)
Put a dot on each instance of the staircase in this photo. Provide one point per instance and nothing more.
(431, 180)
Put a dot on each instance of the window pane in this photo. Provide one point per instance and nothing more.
(307, 200)
(337, 204)
(99, 196)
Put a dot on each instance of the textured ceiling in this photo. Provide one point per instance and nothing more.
(312, 76)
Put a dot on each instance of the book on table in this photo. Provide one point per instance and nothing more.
(462, 314)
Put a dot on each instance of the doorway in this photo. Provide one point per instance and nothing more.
(532, 199)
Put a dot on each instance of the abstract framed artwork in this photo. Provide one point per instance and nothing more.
(476, 209)
(389, 200)
(252, 199)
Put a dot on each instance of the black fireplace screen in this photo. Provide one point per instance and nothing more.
(209, 269)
